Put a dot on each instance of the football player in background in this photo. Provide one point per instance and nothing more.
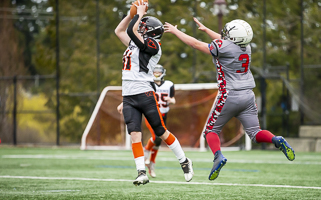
(231, 55)
(141, 36)
(165, 92)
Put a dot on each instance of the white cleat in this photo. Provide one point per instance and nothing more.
(187, 167)
(141, 178)
(151, 168)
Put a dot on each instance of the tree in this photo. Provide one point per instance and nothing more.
(10, 65)
(78, 44)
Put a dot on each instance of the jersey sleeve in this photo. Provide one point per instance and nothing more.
(131, 33)
(151, 46)
(172, 91)
(215, 47)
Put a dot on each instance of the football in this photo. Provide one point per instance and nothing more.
(133, 9)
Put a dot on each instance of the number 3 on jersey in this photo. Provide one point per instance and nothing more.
(245, 58)
(127, 60)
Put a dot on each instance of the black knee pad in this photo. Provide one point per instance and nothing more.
(131, 127)
(158, 141)
(159, 131)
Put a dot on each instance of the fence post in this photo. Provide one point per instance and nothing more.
(287, 100)
(98, 48)
(14, 114)
(302, 61)
(57, 72)
(262, 79)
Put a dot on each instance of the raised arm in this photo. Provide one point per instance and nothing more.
(189, 40)
(213, 35)
(132, 30)
(120, 31)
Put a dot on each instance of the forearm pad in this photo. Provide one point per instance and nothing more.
(131, 33)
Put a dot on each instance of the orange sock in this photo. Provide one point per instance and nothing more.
(137, 149)
(150, 144)
(170, 139)
(153, 155)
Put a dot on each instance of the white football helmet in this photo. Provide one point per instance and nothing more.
(159, 68)
(238, 31)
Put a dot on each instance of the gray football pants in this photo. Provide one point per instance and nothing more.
(234, 103)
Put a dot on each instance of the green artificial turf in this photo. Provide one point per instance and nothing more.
(61, 173)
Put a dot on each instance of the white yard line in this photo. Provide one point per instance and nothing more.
(60, 191)
(161, 159)
(162, 182)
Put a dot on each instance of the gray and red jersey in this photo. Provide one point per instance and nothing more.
(233, 65)
(138, 66)
(235, 82)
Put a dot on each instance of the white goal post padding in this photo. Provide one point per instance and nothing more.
(193, 86)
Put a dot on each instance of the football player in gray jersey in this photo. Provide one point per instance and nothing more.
(141, 36)
(231, 55)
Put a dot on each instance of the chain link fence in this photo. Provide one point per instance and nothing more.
(28, 104)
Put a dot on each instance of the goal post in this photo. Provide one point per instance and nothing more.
(94, 115)
(186, 119)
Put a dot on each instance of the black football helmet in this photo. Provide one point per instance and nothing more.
(151, 27)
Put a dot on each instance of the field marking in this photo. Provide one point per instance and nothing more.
(161, 182)
(207, 169)
(161, 159)
(59, 191)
